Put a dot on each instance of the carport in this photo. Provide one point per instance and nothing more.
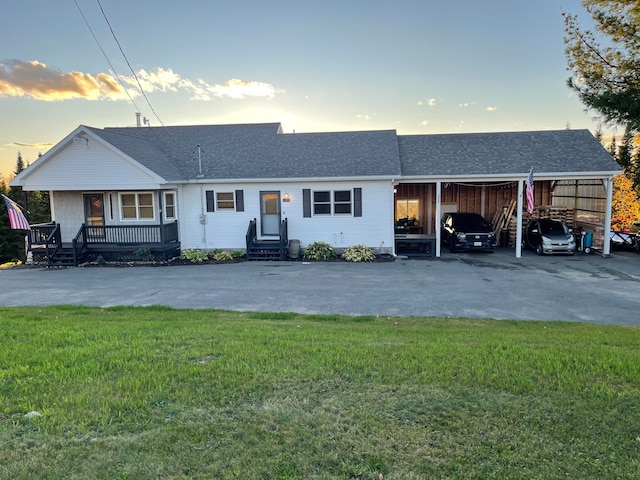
(486, 173)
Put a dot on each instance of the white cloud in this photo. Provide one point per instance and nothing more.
(430, 102)
(424, 123)
(365, 117)
(36, 80)
(491, 109)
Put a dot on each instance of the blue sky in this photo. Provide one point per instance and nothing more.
(416, 66)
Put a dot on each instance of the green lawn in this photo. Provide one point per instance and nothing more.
(138, 393)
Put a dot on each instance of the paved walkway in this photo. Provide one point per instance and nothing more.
(586, 288)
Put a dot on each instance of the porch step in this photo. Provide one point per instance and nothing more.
(64, 257)
(265, 250)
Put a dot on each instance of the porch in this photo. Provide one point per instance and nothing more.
(267, 249)
(111, 242)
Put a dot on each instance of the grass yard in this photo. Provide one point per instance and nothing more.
(141, 393)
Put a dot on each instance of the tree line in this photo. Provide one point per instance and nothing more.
(35, 206)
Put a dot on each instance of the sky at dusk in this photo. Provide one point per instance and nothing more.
(416, 66)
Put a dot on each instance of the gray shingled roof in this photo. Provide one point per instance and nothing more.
(256, 151)
(477, 154)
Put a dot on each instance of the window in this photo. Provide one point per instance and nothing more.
(137, 206)
(342, 202)
(170, 206)
(322, 203)
(224, 200)
(407, 208)
(328, 203)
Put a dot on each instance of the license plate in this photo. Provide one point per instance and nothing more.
(477, 244)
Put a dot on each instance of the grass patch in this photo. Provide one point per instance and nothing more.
(129, 392)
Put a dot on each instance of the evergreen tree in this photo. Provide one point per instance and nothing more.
(607, 78)
(11, 241)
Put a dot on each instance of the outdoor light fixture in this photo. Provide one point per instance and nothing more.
(78, 138)
(286, 198)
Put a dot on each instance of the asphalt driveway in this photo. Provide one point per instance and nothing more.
(587, 288)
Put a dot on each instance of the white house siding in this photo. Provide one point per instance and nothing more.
(227, 229)
(89, 166)
(67, 209)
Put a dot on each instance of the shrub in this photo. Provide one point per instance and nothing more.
(319, 252)
(193, 255)
(237, 254)
(359, 253)
(222, 257)
(144, 254)
(212, 253)
(100, 260)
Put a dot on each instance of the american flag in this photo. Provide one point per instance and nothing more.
(530, 191)
(17, 219)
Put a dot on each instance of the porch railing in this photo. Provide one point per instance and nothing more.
(251, 235)
(124, 235)
(284, 238)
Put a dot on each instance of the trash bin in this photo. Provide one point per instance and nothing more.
(294, 248)
(504, 237)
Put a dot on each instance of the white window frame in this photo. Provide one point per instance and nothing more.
(137, 195)
(332, 203)
(174, 205)
(225, 209)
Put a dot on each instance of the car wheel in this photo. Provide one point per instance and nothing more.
(539, 250)
(452, 245)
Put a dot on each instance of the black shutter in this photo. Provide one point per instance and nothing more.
(306, 202)
(239, 200)
(357, 202)
(210, 201)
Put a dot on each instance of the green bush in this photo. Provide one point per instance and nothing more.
(194, 255)
(212, 253)
(319, 252)
(144, 254)
(222, 257)
(237, 254)
(359, 253)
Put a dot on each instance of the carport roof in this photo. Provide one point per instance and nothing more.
(554, 152)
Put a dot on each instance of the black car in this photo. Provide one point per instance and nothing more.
(547, 236)
(466, 231)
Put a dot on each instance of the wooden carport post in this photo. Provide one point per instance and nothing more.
(519, 222)
(437, 219)
(608, 187)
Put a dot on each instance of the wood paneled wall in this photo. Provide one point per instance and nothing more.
(468, 198)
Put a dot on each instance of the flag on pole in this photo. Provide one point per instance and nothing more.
(17, 219)
(530, 202)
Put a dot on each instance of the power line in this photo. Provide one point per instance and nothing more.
(129, 65)
(105, 56)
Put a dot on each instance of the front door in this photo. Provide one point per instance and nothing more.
(269, 213)
(94, 213)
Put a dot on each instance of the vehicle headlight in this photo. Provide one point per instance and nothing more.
(492, 236)
(546, 240)
(462, 236)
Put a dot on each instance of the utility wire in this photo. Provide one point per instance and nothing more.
(105, 56)
(130, 68)
(132, 71)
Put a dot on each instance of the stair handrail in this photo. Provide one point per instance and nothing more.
(251, 234)
(284, 238)
(79, 243)
(54, 240)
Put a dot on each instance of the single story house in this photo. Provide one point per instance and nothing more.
(253, 187)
